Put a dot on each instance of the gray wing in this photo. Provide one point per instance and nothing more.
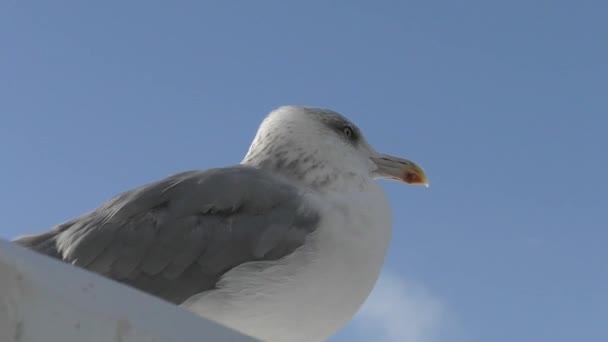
(177, 237)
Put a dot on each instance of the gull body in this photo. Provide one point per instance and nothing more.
(284, 247)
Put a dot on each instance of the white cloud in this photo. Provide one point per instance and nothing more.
(399, 310)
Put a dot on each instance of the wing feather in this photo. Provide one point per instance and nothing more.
(177, 237)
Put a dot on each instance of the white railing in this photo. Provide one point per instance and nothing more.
(45, 300)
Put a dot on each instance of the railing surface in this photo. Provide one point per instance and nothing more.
(45, 300)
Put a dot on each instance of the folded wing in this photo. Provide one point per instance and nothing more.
(177, 237)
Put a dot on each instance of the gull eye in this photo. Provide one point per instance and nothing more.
(348, 131)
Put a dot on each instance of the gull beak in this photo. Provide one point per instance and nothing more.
(395, 168)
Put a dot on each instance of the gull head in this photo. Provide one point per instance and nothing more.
(320, 147)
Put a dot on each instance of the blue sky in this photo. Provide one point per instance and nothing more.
(503, 103)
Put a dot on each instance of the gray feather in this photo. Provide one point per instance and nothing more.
(177, 237)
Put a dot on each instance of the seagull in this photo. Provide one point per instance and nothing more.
(285, 246)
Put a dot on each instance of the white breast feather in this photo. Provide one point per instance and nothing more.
(310, 294)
